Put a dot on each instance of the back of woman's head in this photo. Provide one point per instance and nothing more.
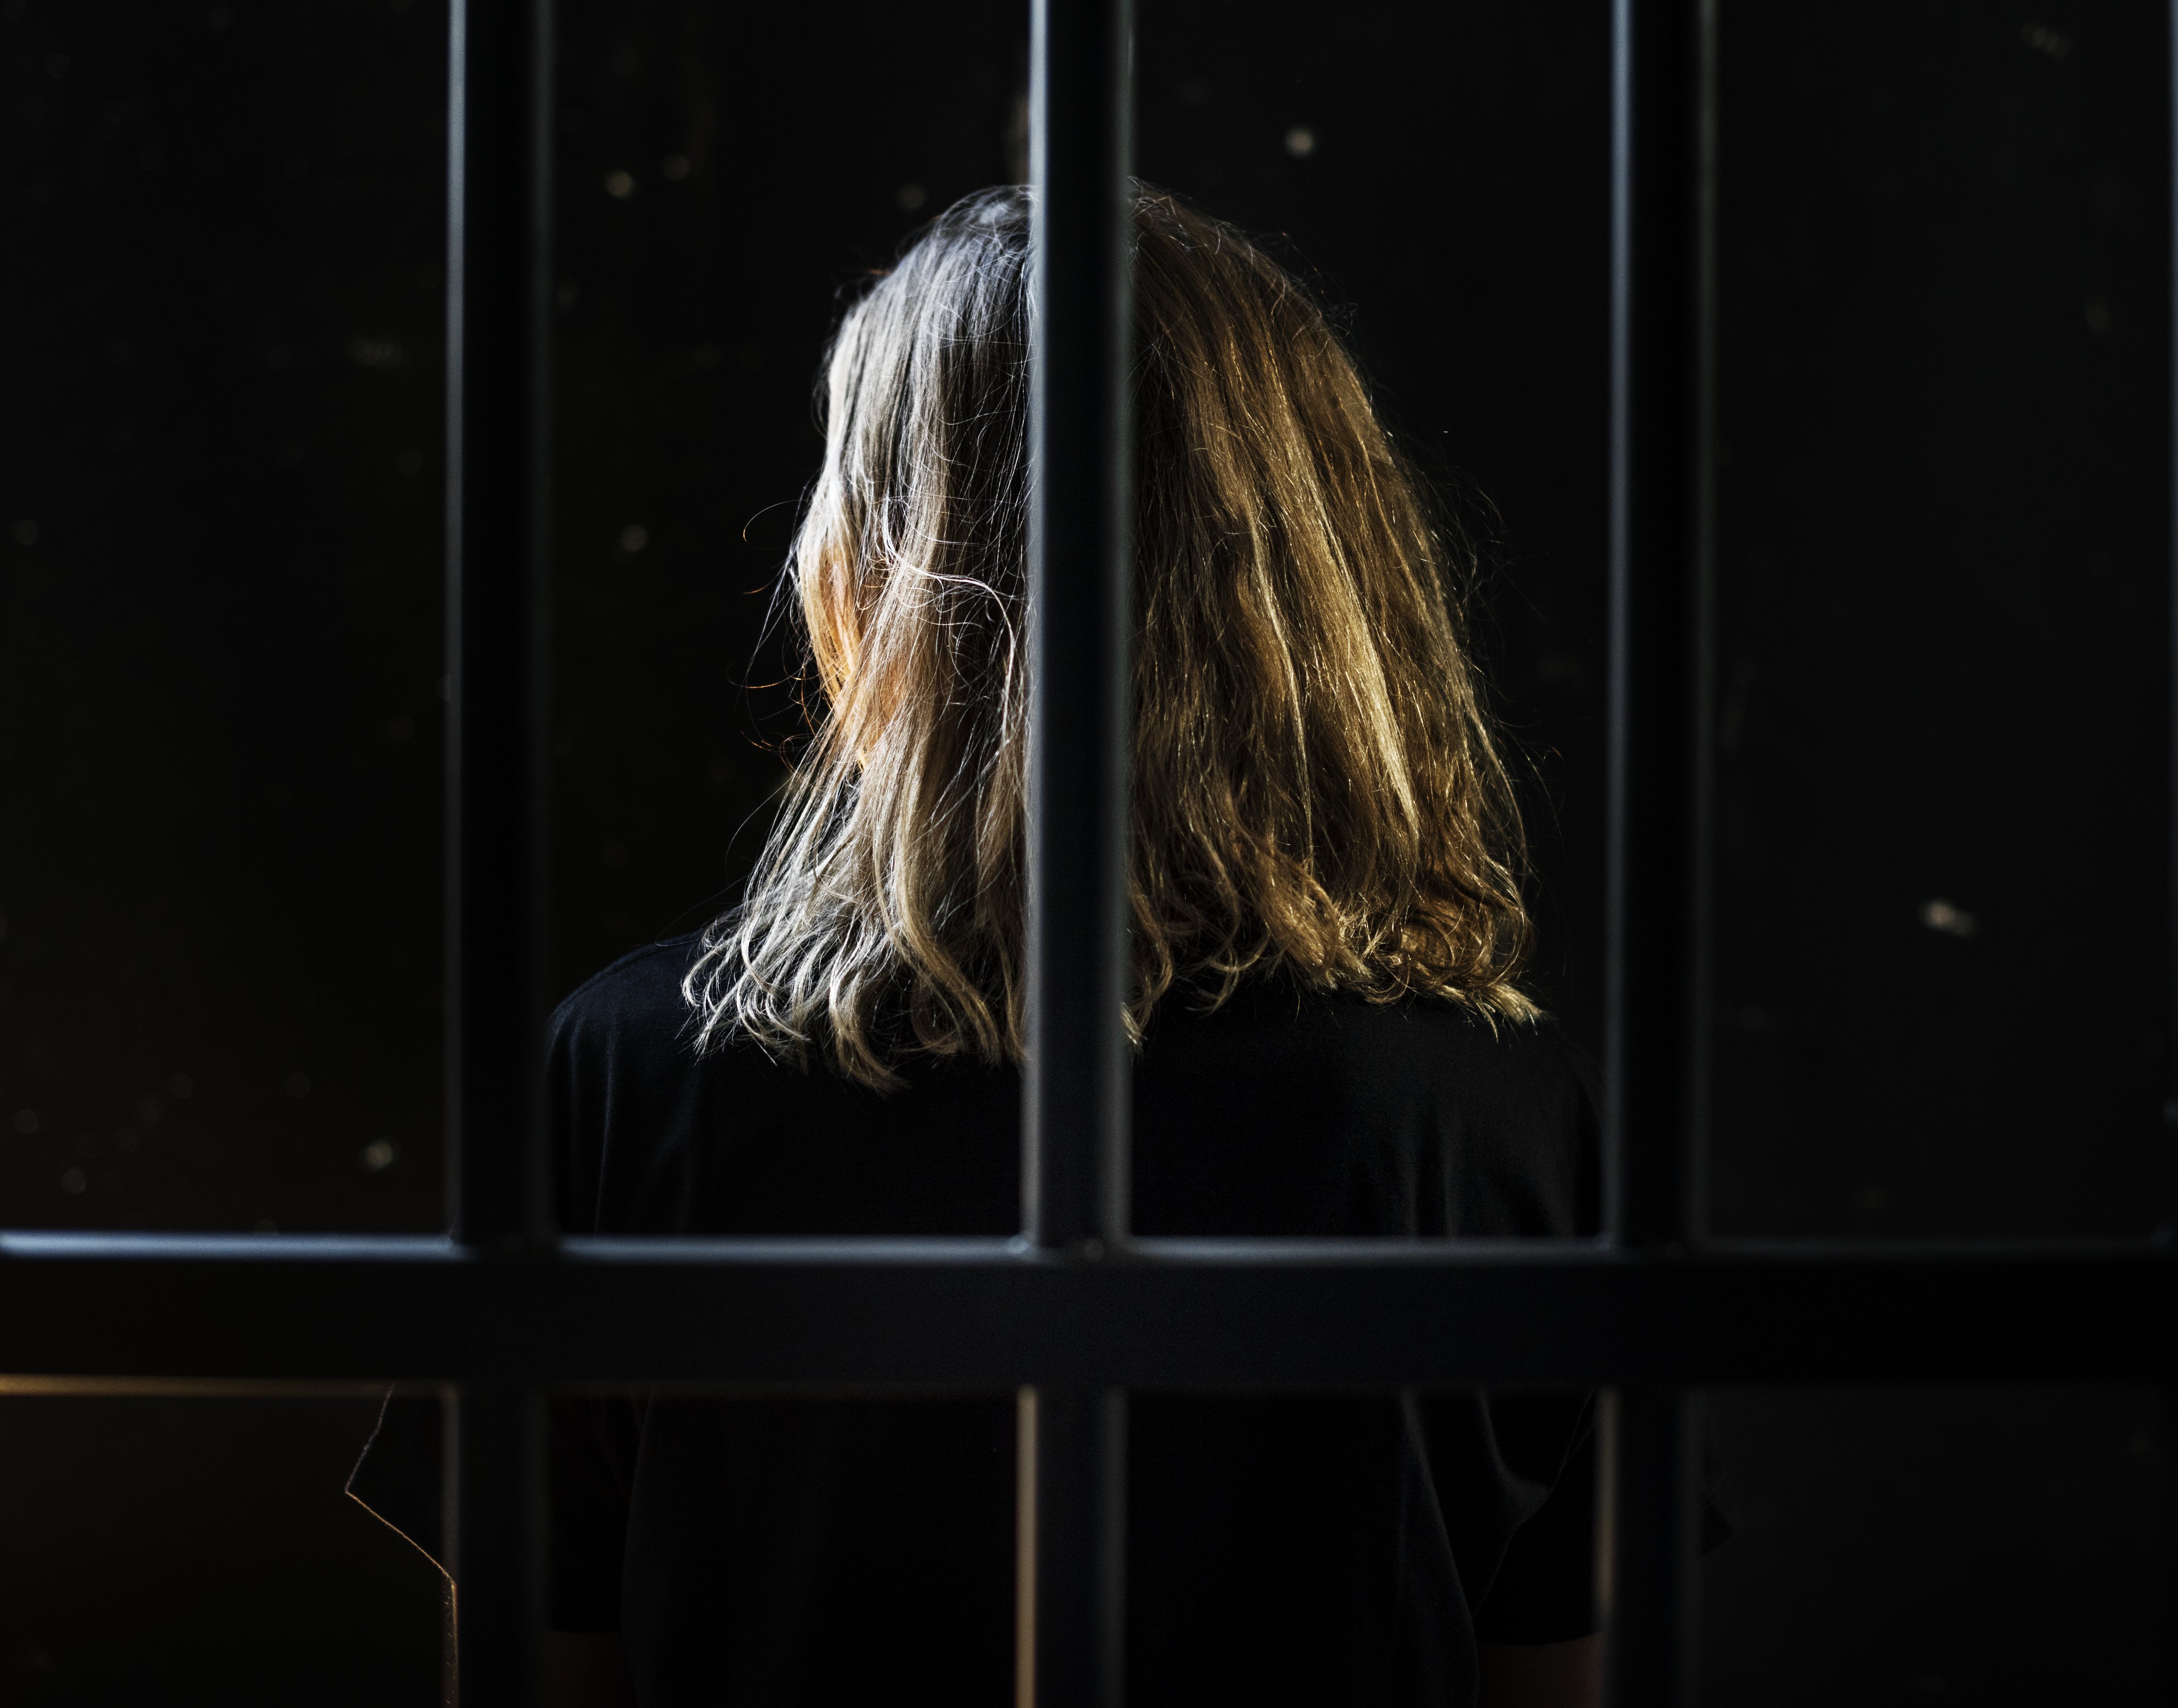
(1315, 789)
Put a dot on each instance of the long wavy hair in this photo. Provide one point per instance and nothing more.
(1316, 788)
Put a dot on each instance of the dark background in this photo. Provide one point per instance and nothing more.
(1944, 674)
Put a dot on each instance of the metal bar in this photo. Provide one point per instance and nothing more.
(496, 1542)
(1074, 1175)
(1645, 1584)
(499, 203)
(2169, 1218)
(1657, 948)
(1071, 1601)
(498, 268)
(1699, 733)
(1075, 1092)
(978, 1315)
(1654, 859)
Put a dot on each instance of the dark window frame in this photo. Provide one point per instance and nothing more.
(1074, 1312)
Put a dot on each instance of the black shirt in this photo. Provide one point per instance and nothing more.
(1316, 1551)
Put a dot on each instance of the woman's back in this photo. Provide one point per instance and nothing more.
(1283, 1549)
(1325, 934)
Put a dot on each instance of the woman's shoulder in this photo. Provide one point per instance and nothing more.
(1283, 1019)
(1521, 1075)
(635, 1003)
(1529, 1056)
(1500, 1111)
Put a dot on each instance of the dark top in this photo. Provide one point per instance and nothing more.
(1316, 1551)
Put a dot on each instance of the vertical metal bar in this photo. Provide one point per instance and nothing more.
(1646, 1543)
(1079, 523)
(1700, 735)
(1656, 953)
(2170, 1217)
(498, 294)
(1070, 1604)
(495, 1484)
(1653, 865)
(1074, 1093)
(498, 283)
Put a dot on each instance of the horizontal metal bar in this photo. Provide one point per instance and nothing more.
(987, 1314)
(204, 1388)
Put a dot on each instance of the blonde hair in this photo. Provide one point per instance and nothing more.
(1315, 784)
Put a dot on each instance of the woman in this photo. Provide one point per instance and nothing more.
(1327, 929)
